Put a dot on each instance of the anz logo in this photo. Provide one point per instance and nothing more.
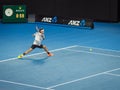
(74, 22)
(49, 19)
(46, 19)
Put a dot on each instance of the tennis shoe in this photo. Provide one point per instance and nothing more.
(20, 56)
(50, 54)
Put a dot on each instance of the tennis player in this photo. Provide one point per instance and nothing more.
(39, 36)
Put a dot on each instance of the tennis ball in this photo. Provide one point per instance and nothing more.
(91, 49)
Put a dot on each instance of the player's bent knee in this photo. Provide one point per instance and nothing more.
(44, 46)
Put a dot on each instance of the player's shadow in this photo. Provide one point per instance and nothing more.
(37, 61)
(40, 61)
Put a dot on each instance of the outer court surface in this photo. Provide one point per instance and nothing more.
(74, 65)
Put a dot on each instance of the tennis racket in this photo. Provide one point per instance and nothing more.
(37, 28)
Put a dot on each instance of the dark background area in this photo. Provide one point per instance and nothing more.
(98, 10)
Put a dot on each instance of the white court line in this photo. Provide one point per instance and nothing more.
(91, 52)
(5, 60)
(99, 48)
(113, 74)
(27, 85)
(80, 79)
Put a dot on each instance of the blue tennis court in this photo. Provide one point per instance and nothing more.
(84, 59)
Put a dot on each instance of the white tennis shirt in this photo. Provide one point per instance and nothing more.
(38, 38)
